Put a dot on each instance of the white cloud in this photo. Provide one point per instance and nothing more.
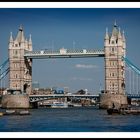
(81, 79)
(84, 66)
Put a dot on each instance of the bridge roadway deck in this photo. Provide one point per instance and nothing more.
(64, 54)
(73, 95)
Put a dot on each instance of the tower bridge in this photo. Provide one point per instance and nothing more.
(21, 55)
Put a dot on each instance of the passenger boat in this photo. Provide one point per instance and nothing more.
(131, 111)
(112, 111)
(59, 105)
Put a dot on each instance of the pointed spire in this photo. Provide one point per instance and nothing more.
(115, 23)
(123, 36)
(106, 30)
(20, 36)
(119, 34)
(26, 41)
(20, 28)
(115, 30)
(30, 39)
(11, 37)
(106, 35)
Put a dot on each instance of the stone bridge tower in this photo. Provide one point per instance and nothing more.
(20, 67)
(115, 49)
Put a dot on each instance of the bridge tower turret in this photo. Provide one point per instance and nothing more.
(114, 47)
(20, 67)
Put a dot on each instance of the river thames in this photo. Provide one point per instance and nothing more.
(78, 119)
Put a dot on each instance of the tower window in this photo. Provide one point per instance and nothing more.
(112, 74)
(112, 84)
(16, 75)
(15, 65)
(113, 49)
(16, 52)
(113, 42)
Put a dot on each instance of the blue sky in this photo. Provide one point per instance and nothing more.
(56, 28)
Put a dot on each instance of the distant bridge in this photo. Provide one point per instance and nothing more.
(36, 98)
(133, 96)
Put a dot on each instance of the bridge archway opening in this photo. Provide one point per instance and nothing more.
(25, 87)
(84, 76)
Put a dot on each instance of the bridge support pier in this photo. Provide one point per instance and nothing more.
(107, 100)
(15, 101)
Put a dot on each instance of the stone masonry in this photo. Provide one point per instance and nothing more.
(20, 68)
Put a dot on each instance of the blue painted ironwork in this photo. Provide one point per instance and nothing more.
(4, 73)
(131, 65)
(3, 65)
(137, 96)
(134, 93)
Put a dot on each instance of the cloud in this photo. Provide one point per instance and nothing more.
(81, 79)
(84, 66)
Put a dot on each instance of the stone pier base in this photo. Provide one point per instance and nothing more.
(107, 100)
(15, 101)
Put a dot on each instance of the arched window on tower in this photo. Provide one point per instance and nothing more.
(16, 52)
(16, 76)
(112, 42)
(113, 49)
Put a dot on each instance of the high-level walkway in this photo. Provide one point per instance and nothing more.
(64, 53)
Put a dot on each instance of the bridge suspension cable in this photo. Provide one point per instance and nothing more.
(132, 78)
(4, 64)
(4, 73)
(131, 65)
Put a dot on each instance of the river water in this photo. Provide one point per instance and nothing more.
(78, 119)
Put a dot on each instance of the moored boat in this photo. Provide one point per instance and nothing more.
(1, 113)
(10, 112)
(77, 105)
(24, 112)
(126, 111)
(131, 111)
(112, 111)
(16, 112)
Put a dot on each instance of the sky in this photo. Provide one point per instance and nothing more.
(71, 28)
